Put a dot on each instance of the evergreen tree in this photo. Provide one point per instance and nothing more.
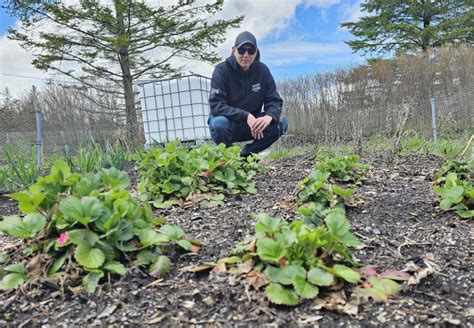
(118, 41)
(412, 25)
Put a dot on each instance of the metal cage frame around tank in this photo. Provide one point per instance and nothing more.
(175, 108)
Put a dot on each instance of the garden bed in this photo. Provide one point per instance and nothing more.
(396, 217)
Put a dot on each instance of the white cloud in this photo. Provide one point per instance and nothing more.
(351, 13)
(262, 17)
(15, 65)
(292, 53)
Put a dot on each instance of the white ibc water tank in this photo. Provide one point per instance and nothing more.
(175, 108)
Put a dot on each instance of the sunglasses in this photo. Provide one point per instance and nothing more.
(251, 50)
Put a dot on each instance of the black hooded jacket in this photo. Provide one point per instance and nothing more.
(236, 93)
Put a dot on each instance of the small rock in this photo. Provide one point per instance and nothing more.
(208, 300)
(188, 304)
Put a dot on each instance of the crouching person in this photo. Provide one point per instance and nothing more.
(241, 87)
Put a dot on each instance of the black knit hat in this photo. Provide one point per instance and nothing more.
(243, 38)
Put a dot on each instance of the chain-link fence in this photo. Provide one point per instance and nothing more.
(324, 108)
(336, 107)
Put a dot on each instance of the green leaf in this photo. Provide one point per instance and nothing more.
(83, 236)
(91, 281)
(27, 227)
(35, 223)
(290, 272)
(267, 225)
(346, 273)
(231, 260)
(3, 257)
(13, 280)
(336, 222)
(173, 232)
(184, 244)
(71, 208)
(160, 267)
(115, 267)
(305, 289)
(278, 294)
(144, 257)
(465, 214)
(28, 202)
(16, 268)
(270, 250)
(350, 240)
(61, 170)
(148, 237)
(89, 257)
(92, 207)
(320, 277)
(56, 265)
(115, 178)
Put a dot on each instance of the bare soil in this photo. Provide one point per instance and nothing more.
(396, 217)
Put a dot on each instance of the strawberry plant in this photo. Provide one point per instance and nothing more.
(456, 195)
(317, 194)
(379, 286)
(172, 173)
(342, 168)
(298, 259)
(86, 225)
(464, 170)
(294, 260)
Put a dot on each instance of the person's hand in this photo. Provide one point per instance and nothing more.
(260, 125)
(251, 120)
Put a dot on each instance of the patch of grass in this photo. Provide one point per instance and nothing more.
(288, 152)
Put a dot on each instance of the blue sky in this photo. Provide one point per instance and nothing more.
(295, 37)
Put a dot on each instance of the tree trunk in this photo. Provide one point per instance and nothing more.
(127, 80)
(131, 113)
(427, 15)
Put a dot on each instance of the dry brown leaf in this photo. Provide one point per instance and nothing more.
(287, 202)
(220, 268)
(418, 276)
(199, 267)
(337, 302)
(154, 320)
(245, 267)
(35, 266)
(108, 311)
(256, 279)
(309, 320)
(75, 290)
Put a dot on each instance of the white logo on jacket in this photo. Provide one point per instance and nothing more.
(256, 87)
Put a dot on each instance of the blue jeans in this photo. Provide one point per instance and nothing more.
(225, 131)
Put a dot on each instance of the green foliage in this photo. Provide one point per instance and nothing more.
(297, 258)
(463, 169)
(14, 275)
(342, 168)
(286, 153)
(89, 224)
(456, 195)
(91, 157)
(20, 172)
(411, 25)
(116, 156)
(172, 173)
(317, 194)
